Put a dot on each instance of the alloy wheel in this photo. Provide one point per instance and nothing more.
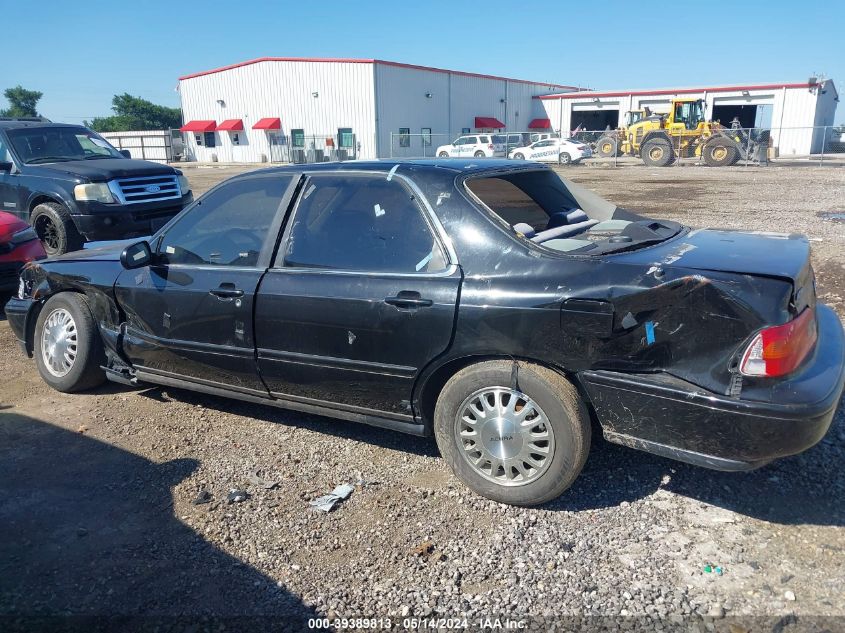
(504, 436)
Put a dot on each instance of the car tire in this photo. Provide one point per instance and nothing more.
(550, 400)
(519, 156)
(443, 155)
(657, 153)
(564, 158)
(55, 229)
(480, 154)
(67, 346)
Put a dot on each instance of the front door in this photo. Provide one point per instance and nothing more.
(360, 298)
(189, 314)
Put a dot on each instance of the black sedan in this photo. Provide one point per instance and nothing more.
(493, 305)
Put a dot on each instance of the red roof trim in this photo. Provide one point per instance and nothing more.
(198, 126)
(231, 125)
(341, 60)
(670, 91)
(488, 122)
(269, 123)
(539, 124)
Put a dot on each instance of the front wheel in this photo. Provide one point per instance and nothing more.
(67, 345)
(607, 147)
(657, 153)
(443, 155)
(519, 156)
(719, 153)
(564, 158)
(55, 229)
(514, 436)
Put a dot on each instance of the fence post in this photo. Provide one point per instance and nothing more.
(824, 140)
(391, 145)
(748, 146)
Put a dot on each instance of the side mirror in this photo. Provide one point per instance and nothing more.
(136, 255)
(6, 166)
(126, 153)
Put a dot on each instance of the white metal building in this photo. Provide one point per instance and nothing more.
(791, 110)
(275, 109)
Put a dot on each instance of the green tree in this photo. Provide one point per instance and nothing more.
(135, 113)
(22, 102)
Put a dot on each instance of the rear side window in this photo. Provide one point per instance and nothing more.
(227, 227)
(361, 223)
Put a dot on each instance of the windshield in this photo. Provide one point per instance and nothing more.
(541, 207)
(36, 145)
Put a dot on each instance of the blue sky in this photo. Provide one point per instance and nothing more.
(79, 54)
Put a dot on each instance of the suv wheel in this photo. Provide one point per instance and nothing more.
(55, 228)
(522, 444)
(480, 154)
(67, 345)
(443, 155)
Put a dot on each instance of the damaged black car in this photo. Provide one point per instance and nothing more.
(492, 305)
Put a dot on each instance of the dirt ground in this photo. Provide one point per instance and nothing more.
(97, 515)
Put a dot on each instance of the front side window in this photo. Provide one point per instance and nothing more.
(361, 223)
(404, 137)
(227, 227)
(36, 145)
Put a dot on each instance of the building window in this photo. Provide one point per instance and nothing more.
(297, 138)
(426, 136)
(344, 137)
(464, 130)
(236, 139)
(198, 139)
(404, 137)
(209, 139)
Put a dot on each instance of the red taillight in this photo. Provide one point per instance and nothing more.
(778, 350)
(490, 146)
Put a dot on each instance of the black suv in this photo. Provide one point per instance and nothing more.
(73, 186)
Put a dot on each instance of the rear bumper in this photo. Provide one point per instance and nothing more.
(671, 417)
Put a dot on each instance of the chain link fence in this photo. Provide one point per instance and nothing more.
(659, 148)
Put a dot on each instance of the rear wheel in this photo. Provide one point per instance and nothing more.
(521, 441)
(55, 228)
(479, 154)
(607, 147)
(657, 153)
(67, 345)
(719, 153)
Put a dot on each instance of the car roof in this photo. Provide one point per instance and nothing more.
(11, 124)
(456, 165)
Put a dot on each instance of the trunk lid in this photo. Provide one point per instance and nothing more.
(761, 254)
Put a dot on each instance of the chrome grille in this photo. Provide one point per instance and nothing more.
(146, 189)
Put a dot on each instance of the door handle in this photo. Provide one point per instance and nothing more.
(227, 291)
(408, 299)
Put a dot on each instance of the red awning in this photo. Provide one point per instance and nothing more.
(488, 121)
(539, 124)
(198, 126)
(231, 125)
(268, 124)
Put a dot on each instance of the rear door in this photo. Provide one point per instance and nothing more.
(189, 314)
(361, 297)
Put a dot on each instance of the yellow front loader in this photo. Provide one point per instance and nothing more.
(659, 139)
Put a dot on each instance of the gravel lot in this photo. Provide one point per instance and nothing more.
(96, 492)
